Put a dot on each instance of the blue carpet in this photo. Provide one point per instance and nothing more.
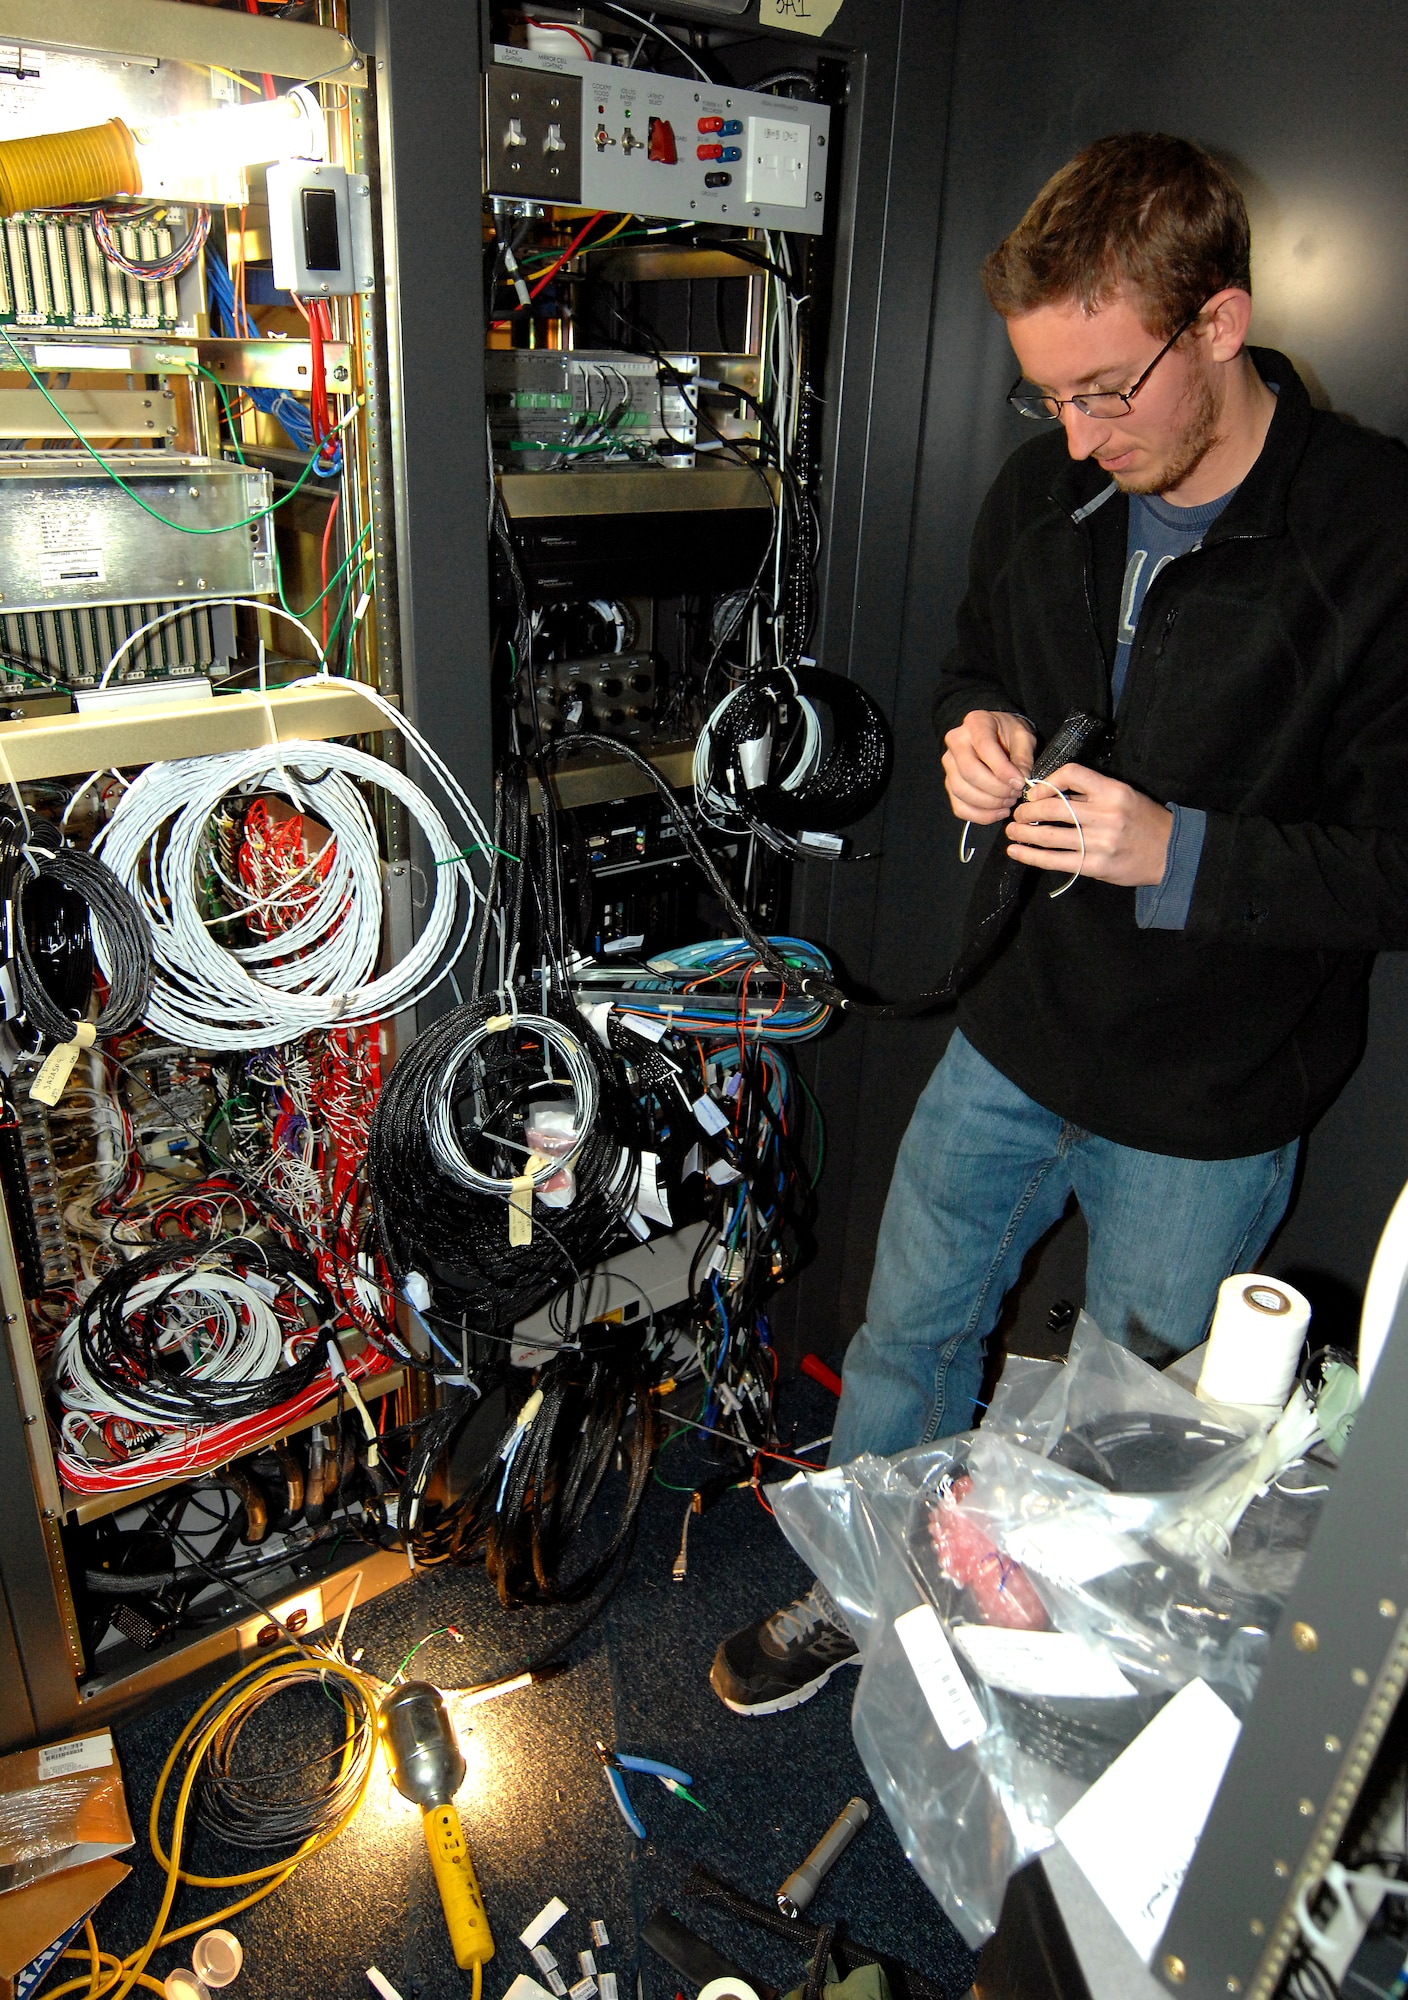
(537, 1810)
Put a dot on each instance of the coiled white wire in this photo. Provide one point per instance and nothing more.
(240, 1341)
(317, 973)
(447, 1088)
(711, 802)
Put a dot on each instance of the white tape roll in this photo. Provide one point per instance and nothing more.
(727, 1988)
(1258, 1331)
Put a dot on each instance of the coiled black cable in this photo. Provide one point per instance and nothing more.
(125, 936)
(289, 1802)
(456, 1236)
(855, 767)
(124, 1358)
(538, 1485)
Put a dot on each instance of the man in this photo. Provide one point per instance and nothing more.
(1193, 553)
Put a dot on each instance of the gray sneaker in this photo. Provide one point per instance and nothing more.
(782, 1661)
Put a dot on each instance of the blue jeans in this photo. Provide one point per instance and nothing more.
(982, 1173)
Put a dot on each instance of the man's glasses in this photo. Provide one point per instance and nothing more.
(1029, 402)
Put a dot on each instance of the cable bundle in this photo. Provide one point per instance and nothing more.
(448, 1143)
(539, 1485)
(313, 971)
(716, 990)
(770, 725)
(159, 268)
(113, 921)
(310, 1798)
(176, 1340)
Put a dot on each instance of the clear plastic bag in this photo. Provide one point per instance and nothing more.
(1028, 1596)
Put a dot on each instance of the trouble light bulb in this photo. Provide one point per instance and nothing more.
(201, 155)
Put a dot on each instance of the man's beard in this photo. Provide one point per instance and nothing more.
(1199, 436)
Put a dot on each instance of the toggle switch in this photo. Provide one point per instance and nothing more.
(603, 139)
(662, 142)
(554, 142)
(515, 135)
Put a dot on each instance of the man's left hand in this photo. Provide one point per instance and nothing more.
(1126, 834)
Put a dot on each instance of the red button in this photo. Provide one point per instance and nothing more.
(710, 152)
(711, 124)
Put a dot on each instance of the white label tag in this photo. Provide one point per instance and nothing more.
(544, 1959)
(66, 355)
(587, 1963)
(653, 1028)
(614, 945)
(524, 1988)
(86, 1753)
(543, 1922)
(709, 1115)
(1069, 1549)
(607, 1982)
(600, 1938)
(1056, 1665)
(950, 1699)
(9, 992)
(265, 1287)
(721, 1173)
(65, 567)
(693, 1160)
(1136, 1829)
(651, 1197)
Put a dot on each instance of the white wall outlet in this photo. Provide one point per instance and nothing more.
(777, 162)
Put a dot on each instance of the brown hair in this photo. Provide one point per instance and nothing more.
(1139, 210)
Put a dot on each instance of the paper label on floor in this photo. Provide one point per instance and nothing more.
(600, 1935)
(608, 1985)
(87, 1753)
(543, 1922)
(1069, 1549)
(1135, 1831)
(939, 1675)
(1054, 1665)
(524, 1988)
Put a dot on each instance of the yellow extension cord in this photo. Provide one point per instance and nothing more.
(112, 1978)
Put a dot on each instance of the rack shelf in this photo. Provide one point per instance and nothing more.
(147, 732)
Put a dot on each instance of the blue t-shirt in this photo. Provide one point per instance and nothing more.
(1159, 533)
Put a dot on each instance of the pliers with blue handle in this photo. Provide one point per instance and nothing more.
(614, 1763)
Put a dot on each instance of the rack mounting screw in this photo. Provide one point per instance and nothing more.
(1387, 1608)
(1333, 1745)
(1306, 1808)
(1280, 1869)
(1258, 1928)
(1234, 1984)
(1359, 1677)
(1175, 1968)
(1304, 1637)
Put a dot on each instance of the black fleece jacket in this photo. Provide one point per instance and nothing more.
(1268, 685)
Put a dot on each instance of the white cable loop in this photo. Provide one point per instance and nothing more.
(1070, 880)
(445, 1088)
(320, 970)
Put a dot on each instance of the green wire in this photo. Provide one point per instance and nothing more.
(230, 526)
(415, 1649)
(229, 413)
(479, 847)
(331, 585)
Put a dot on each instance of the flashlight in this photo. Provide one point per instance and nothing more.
(428, 1769)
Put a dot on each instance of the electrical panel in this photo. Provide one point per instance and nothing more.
(599, 136)
(73, 536)
(53, 273)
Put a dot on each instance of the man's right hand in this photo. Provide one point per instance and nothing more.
(987, 760)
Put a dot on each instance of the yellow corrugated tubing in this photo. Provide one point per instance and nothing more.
(61, 167)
